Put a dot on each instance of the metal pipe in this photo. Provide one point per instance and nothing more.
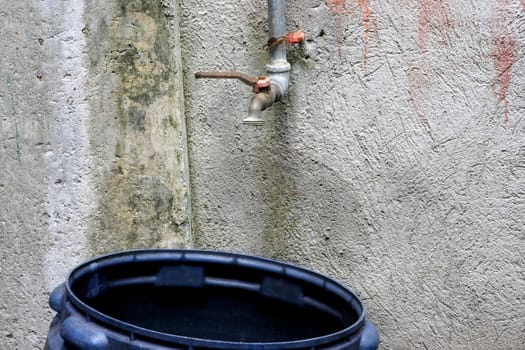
(277, 29)
(278, 69)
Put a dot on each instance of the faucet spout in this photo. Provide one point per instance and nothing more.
(259, 103)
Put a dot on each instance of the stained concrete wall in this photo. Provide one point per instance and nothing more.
(93, 145)
(396, 164)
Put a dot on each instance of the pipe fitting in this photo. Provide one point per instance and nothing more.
(294, 37)
(280, 80)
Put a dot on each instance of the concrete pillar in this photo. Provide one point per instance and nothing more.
(93, 145)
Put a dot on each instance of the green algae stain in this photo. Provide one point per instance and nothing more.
(143, 194)
(279, 188)
(280, 227)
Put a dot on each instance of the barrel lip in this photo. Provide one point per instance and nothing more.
(187, 255)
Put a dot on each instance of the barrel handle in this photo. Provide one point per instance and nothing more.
(56, 298)
(79, 334)
(369, 339)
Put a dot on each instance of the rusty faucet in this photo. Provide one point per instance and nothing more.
(272, 87)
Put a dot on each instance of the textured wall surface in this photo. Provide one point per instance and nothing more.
(92, 145)
(26, 129)
(396, 164)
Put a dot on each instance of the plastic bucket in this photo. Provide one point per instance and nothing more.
(184, 299)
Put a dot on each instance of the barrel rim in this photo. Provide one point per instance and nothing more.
(134, 330)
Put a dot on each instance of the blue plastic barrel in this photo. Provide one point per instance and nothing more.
(200, 300)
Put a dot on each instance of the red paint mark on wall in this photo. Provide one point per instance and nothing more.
(418, 84)
(433, 18)
(504, 54)
(339, 7)
(365, 7)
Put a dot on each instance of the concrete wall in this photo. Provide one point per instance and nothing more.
(396, 163)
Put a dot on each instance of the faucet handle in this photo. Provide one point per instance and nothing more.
(257, 83)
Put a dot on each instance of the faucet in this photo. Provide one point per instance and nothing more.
(272, 87)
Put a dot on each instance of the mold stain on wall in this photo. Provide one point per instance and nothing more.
(503, 54)
(277, 184)
(141, 204)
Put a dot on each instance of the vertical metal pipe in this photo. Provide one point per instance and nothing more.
(278, 69)
(277, 28)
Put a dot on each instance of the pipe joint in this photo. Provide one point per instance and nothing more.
(280, 82)
(279, 66)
